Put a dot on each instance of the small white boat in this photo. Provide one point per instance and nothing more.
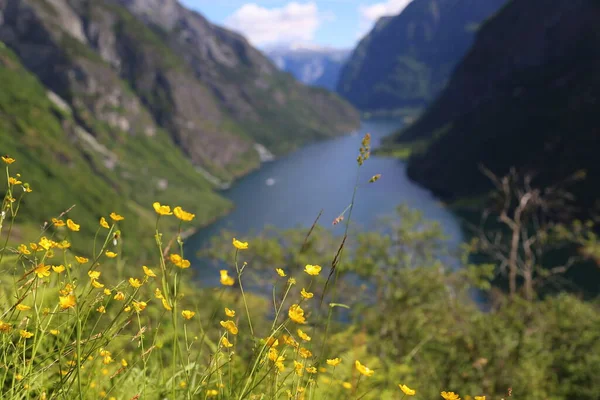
(270, 182)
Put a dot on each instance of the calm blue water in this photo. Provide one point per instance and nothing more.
(322, 176)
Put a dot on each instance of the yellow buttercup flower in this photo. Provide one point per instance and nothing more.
(101, 310)
(23, 250)
(312, 269)
(280, 272)
(479, 397)
(303, 335)
(139, 306)
(296, 314)
(229, 313)
(161, 210)
(42, 271)
(304, 353)
(120, 296)
(110, 254)
(58, 268)
(334, 361)
(107, 292)
(408, 391)
(239, 245)
(165, 304)
(450, 396)
(66, 302)
(81, 260)
(183, 215)
(5, 327)
(22, 307)
(58, 222)
(72, 225)
(25, 334)
(230, 326)
(148, 272)
(103, 223)
(8, 160)
(311, 370)
(134, 282)
(14, 181)
(305, 294)
(347, 385)
(45, 243)
(226, 280)
(187, 314)
(116, 217)
(94, 274)
(366, 371)
(179, 261)
(225, 342)
(97, 284)
(54, 332)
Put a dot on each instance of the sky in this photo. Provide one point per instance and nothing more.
(307, 23)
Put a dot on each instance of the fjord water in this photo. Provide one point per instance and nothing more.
(290, 192)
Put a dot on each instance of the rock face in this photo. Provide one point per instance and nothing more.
(135, 66)
(406, 60)
(527, 95)
(315, 67)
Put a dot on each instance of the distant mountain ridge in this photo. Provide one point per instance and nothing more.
(527, 95)
(312, 66)
(406, 60)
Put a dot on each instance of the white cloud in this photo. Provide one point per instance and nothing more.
(371, 13)
(292, 23)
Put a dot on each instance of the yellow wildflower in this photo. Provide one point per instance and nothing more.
(183, 215)
(42, 271)
(97, 284)
(226, 280)
(334, 361)
(304, 353)
(280, 272)
(303, 335)
(8, 160)
(72, 225)
(101, 310)
(298, 368)
(134, 282)
(14, 181)
(123, 363)
(479, 397)
(116, 217)
(347, 385)
(161, 210)
(110, 254)
(225, 342)
(187, 314)
(58, 222)
(58, 268)
(230, 326)
(212, 393)
(139, 306)
(22, 307)
(5, 327)
(63, 245)
(305, 294)
(107, 292)
(66, 301)
(450, 396)
(25, 334)
(94, 274)
(296, 314)
(23, 249)
(148, 272)
(408, 391)
(239, 245)
(165, 304)
(158, 294)
(366, 371)
(273, 354)
(103, 223)
(81, 260)
(54, 332)
(311, 370)
(229, 313)
(312, 269)
(119, 296)
(45, 243)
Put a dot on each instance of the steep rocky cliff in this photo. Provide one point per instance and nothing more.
(527, 95)
(406, 60)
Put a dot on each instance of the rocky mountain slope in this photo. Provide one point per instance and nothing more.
(406, 60)
(526, 95)
(144, 100)
(315, 67)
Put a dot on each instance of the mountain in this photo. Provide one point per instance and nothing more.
(406, 60)
(144, 100)
(527, 95)
(312, 66)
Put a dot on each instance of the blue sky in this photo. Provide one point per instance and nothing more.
(327, 23)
